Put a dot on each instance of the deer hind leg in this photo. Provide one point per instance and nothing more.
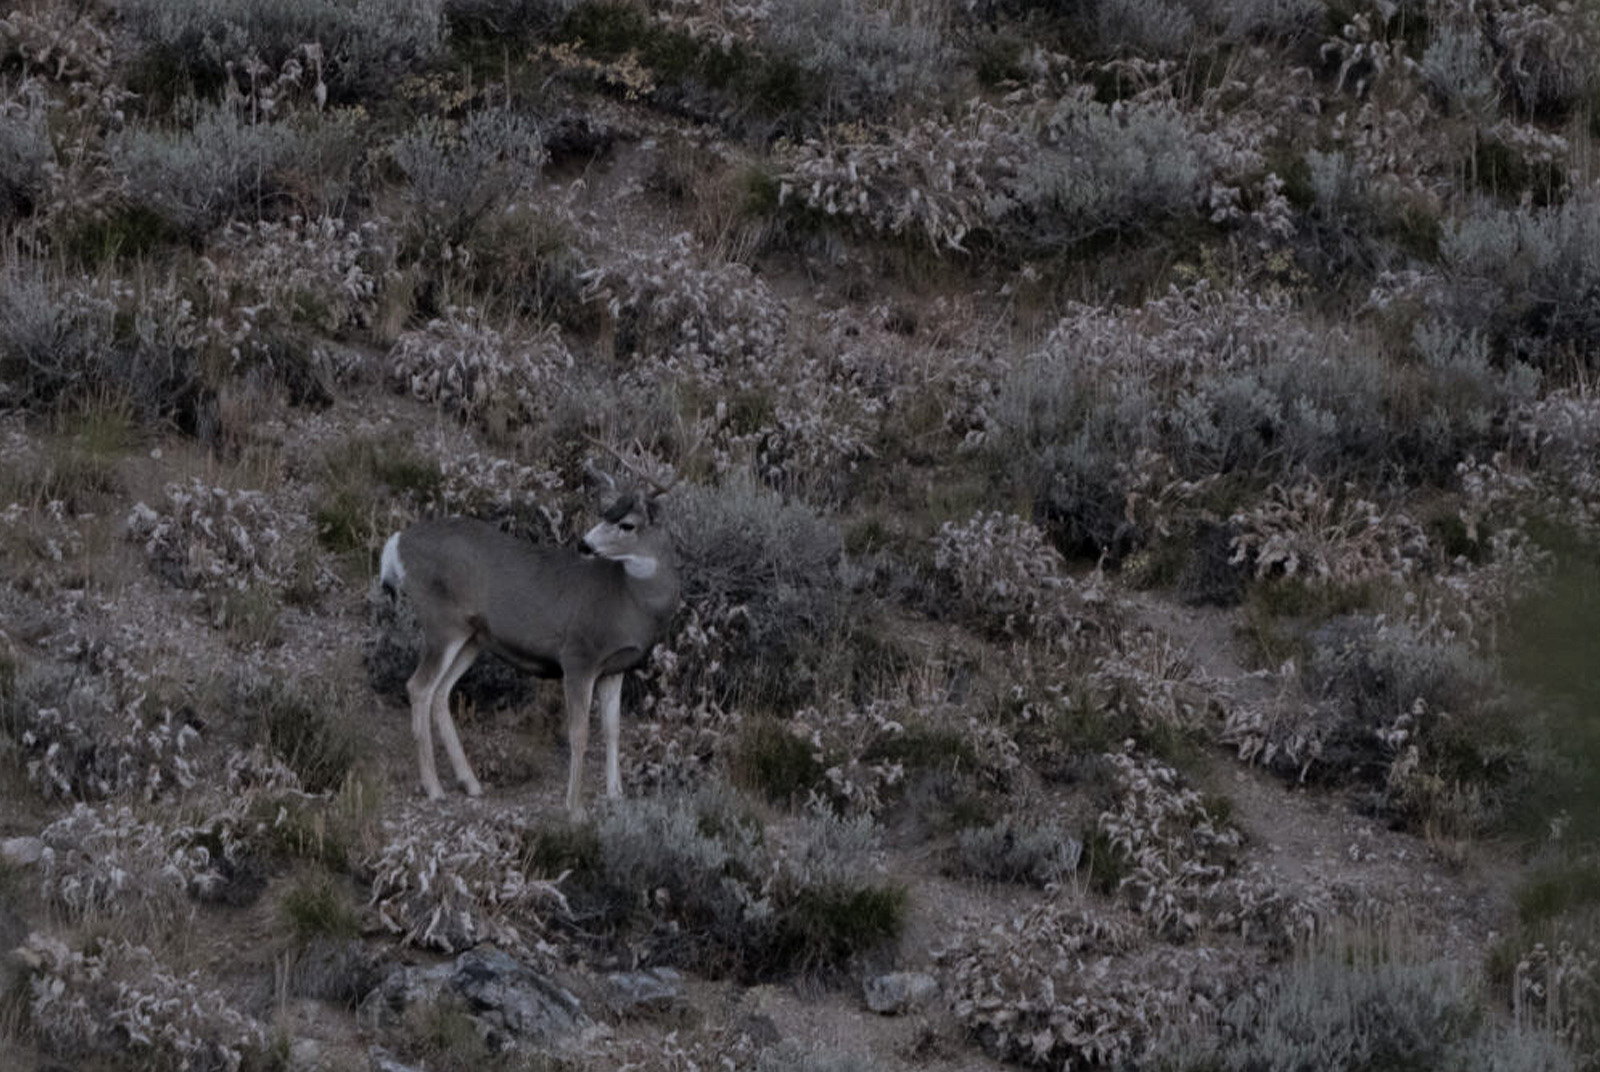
(446, 725)
(431, 668)
(608, 696)
(579, 690)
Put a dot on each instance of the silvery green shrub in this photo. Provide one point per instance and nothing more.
(1457, 67)
(26, 153)
(365, 43)
(1110, 167)
(457, 173)
(1526, 278)
(196, 177)
(865, 56)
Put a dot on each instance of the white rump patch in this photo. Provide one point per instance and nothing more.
(390, 569)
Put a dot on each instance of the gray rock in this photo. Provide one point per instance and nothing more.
(305, 1053)
(506, 994)
(760, 1029)
(511, 1002)
(384, 1061)
(898, 992)
(21, 851)
(650, 991)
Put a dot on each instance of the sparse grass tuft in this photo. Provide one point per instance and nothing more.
(1558, 889)
(317, 907)
(303, 729)
(776, 762)
(366, 480)
(444, 1035)
(826, 926)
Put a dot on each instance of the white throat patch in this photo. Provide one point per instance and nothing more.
(638, 566)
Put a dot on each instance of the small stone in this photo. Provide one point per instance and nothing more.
(898, 992)
(384, 1061)
(760, 1029)
(21, 851)
(651, 990)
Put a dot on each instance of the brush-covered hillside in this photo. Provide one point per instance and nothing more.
(1137, 497)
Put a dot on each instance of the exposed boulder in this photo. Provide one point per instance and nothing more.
(899, 992)
(513, 1003)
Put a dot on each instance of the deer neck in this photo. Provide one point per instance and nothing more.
(652, 581)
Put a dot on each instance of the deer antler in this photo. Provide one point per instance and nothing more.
(656, 487)
(600, 476)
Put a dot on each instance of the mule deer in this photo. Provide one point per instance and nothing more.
(584, 615)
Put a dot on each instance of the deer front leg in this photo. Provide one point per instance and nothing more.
(431, 668)
(608, 694)
(579, 690)
(447, 727)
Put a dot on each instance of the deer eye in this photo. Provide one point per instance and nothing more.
(627, 526)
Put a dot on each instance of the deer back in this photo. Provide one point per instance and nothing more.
(546, 609)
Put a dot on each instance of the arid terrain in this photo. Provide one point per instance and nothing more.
(1133, 474)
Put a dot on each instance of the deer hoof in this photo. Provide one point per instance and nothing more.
(473, 788)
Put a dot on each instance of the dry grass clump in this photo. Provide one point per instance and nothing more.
(1018, 849)
(54, 337)
(1029, 177)
(711, 335)
(1422, 724)
(104, 861)
(301, 726)
(1548, 965)
(1173, 845)
(907, 749)
(1542, 53)
(1172, 855)
(733, 1049)
(1327, 537)
(116, 1001)
(319, 273)
(498, 383)
(930, 181)
(854, 749)
(212, 538)
(25, 155)
(162, 347)
(447, 882)
(848, 758)
(92, 737)
(1065, 987)
(1556, 990)
(866, 59)
(714, 322)
(1002, 572)
(1148, 688)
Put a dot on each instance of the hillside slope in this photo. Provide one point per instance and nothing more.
(1136, 499)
